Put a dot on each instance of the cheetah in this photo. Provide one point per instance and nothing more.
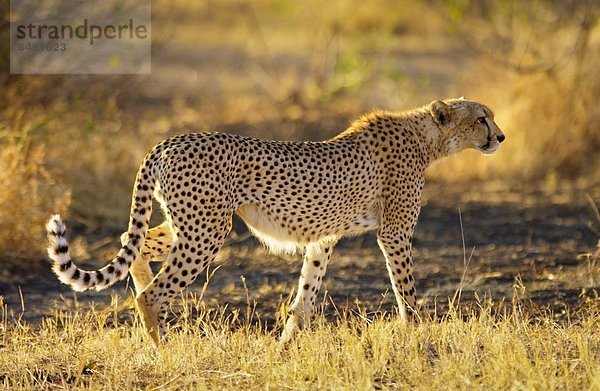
(293, 196)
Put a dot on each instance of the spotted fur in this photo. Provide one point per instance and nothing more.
(292, 195)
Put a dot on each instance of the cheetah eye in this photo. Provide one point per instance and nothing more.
(482, 120)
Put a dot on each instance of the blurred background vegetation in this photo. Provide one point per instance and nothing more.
(302, 70)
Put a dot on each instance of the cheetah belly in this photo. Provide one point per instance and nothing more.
(271, 233)
(279, 238)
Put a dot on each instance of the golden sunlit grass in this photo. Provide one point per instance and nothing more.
(490, 346)
(29, 193)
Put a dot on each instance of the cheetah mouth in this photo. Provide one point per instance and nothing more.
(488, 148)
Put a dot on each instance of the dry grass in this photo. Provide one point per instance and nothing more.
(490, 347)
(29, 193)
(538, 68)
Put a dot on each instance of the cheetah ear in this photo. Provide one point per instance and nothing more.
(461, 98)
(440, 112)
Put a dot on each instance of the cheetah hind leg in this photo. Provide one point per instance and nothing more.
(175, 276)
(157, 244)
(149, 317)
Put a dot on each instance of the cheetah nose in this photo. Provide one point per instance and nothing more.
(500, 138)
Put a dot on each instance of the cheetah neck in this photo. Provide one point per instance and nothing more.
(430, 140)
(434, 143)
(417, 125)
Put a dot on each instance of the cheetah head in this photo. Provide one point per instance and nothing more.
(466, 124)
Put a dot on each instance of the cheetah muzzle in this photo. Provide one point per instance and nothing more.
(292, 195)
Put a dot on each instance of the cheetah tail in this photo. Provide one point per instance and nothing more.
(81, 280)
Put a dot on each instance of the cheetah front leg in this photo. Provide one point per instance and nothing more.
(313, 269)
(397, 250)
(398, 218)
